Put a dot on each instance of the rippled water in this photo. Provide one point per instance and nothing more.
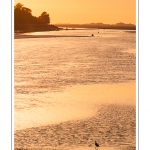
(43, 65)
(61, 79)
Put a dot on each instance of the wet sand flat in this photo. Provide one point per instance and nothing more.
(84, 148)
(113, 126)
(77, 102)
(112, 123)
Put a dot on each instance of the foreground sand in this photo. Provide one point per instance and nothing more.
(113, 128)
(85, 148)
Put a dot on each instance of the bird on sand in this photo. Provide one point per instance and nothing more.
(96, 145)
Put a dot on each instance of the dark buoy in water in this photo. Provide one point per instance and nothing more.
(92, 35)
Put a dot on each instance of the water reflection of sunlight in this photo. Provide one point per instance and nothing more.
(81, 101)
(96, 32)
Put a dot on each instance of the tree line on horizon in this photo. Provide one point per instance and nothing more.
(100, 26)
(23, 15)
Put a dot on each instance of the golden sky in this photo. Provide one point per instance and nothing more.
(84, 11)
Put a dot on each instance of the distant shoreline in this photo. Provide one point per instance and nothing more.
(120, 26)
(24, 28)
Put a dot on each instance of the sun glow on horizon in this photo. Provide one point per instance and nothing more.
(83, 11)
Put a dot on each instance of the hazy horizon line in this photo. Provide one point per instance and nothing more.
(98, 23)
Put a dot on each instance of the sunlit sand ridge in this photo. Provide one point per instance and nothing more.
(105, 127)
(110, 123)
(72, 104)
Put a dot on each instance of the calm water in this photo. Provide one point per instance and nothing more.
(63, 79)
